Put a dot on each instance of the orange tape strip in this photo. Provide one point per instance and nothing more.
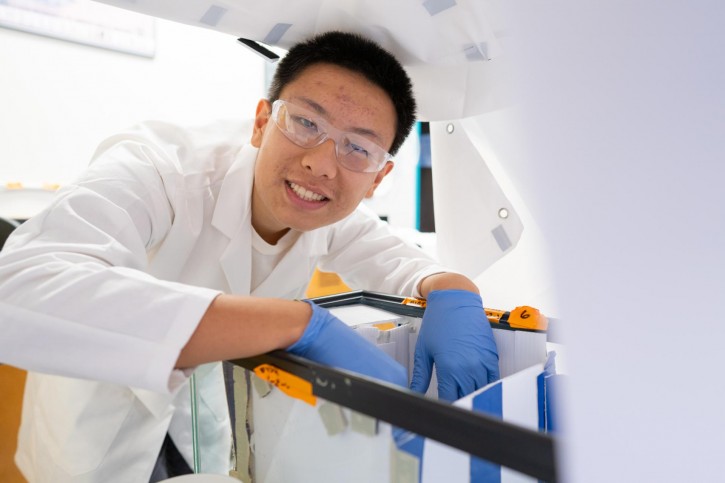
(287, 383)
(493, 314)
(412, 301)
(523, 317)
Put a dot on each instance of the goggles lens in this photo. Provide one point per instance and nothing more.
(308, 129)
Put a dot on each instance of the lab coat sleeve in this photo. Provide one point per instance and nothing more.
(74, 296)
(365, 252)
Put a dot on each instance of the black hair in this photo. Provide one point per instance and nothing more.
(356, 53)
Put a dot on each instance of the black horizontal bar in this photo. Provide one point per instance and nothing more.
(391, 303)
(521, 449)
(259, 49)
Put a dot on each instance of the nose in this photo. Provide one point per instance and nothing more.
(321, 160)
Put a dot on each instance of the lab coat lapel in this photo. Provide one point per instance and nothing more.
(233, 217)
(236, 261)
(294, 270)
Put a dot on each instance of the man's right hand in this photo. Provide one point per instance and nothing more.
(329, 341)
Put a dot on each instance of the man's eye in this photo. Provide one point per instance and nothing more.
(358, 150)
(304, 122)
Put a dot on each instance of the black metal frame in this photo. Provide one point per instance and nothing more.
(521, 449)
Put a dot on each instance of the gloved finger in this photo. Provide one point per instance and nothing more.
(449, 388)
(455, 383)
(448, 391)
(422, 371)
(493, 373)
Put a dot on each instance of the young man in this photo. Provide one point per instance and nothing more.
(178, 248)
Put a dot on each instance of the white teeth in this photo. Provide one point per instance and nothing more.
(306, 194)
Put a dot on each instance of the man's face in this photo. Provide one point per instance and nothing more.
(306, 188)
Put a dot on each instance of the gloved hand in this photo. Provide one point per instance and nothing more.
(329, 341)
(456, 335)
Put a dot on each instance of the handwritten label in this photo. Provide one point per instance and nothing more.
(526, 317)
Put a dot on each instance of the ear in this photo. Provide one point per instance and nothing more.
(264, 111)
(379, 178)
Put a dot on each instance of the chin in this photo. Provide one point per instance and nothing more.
(310, 224)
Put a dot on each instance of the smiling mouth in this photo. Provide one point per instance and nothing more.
(305, 194)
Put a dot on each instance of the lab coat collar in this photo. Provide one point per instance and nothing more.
(233, 217)
(234, 203)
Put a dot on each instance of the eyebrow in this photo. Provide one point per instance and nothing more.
(322, 111)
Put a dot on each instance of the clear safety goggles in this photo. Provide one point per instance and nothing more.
(308, 129)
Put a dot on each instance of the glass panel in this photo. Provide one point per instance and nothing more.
(196, 464)
(283, 439)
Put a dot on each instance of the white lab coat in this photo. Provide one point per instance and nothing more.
(104, 288)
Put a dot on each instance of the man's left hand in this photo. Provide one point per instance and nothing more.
(455, 335)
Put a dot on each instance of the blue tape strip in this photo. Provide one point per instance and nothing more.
(213, 15)
(491, 402)
(554, 386)
(541, 400)
(475, 52)
(435, 7)
(502, 238)
(276, 34)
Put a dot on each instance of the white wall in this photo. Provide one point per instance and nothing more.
(524, 275)
(59, 99)
(623, 115)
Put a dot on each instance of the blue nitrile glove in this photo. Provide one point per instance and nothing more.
(456, 335)
(329, 341)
